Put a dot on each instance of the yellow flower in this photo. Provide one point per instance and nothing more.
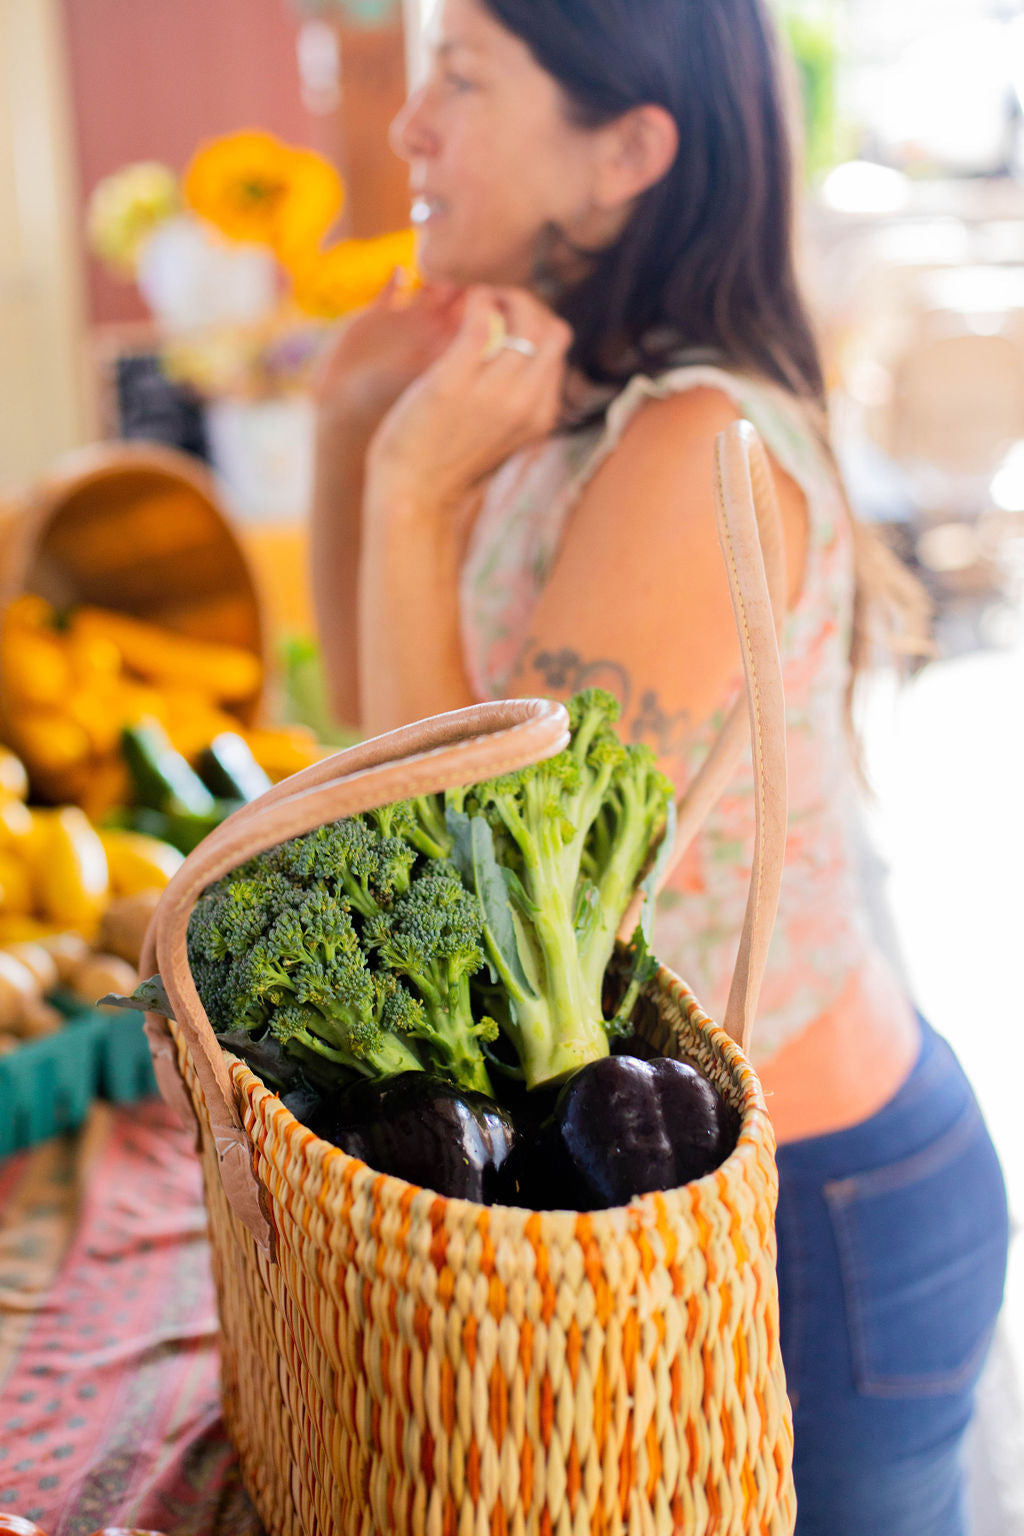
(255, 188)
(348, 275)
(125, 208)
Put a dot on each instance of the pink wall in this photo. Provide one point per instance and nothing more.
(151, 78)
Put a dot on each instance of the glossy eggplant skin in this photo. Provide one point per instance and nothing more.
(621, 1127)
(425, 1129)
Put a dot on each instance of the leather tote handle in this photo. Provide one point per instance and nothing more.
(459, 748)
(750, 535)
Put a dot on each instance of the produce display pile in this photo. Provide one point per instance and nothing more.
(122, 751)
(75, 901)
(76, 678)
(428, 987)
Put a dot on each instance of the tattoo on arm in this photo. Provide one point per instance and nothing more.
(566, 671)
(666, 733)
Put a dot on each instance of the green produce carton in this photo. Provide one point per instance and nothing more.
(48, 1085)
(125, 1065)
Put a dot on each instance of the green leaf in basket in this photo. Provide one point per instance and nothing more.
(496, 898)
(643, 967)
(460, 827)
(149, 997)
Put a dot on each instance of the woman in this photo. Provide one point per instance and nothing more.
(514, 497)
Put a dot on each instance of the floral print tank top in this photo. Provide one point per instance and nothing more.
(820, 935)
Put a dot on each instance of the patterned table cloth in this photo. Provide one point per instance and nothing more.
(109, 1395)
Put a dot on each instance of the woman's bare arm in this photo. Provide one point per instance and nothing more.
(334, 548)
(429, 459)
(410, 651)
(376, 356)
(638, 598)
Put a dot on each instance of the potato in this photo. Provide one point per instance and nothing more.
(101, 974)
(40, 1018)
(39, 961)
(123, 925)
(18, 988)
(69, 949)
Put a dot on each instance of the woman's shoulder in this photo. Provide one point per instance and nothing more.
(650, 416)
(694, 400)
(659, 436)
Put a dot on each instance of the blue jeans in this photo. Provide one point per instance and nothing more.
(892, 1255)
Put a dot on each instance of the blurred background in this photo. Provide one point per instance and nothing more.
(913, 222)
(914, 158)
(123, 316)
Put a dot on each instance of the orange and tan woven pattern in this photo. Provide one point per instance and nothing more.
(417, 1366)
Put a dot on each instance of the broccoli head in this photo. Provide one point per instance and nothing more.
(326, 942)
(300, 975)
(556, 851)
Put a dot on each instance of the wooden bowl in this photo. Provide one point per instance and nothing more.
(139, 528)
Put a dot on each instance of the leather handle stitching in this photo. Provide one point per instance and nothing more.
(755, 689)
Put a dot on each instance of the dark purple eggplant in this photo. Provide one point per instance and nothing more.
(424, 1129)
(621, 1127)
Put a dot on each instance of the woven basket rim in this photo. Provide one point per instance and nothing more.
(360, 1180)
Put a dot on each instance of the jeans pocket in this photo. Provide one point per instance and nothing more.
(922, 1247)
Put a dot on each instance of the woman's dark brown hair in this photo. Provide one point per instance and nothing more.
(706, 261)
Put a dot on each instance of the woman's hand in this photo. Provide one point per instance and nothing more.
(380, 351)
(476, 405)
(465, 416)
(373, 359)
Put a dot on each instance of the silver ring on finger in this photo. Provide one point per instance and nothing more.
(521, 344)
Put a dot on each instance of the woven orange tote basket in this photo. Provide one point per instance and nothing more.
(396, 1363)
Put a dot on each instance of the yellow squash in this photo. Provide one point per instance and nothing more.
(227, 673)
(15, 885)
(17, 825)
(13, 776)
(18, 928)
(283, 750)
(137, 862)
(71, 875)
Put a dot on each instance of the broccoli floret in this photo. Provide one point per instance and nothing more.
(360, 1033)
(569, 840)
(300, 973)
(392, 820)
(428, 830)
(360, 941)
(353, 860)
(421, 822)
(432, 938)
(315, 940)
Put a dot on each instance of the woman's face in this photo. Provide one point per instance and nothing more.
(494, 157)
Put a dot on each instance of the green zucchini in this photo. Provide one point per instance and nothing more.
(162, 779)
(228, 768)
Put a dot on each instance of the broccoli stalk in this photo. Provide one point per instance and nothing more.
(630, 821)
(555, 853)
